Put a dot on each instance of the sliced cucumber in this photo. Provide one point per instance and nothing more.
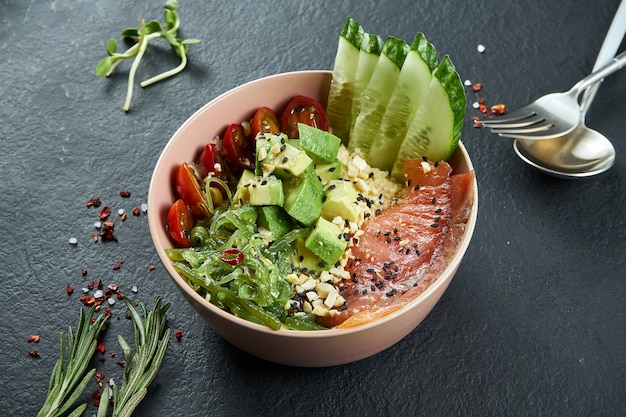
(342, 86)
(411, 85)
(377, 93)
(436, 128)
(371, 47)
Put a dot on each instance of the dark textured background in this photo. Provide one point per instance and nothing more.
(534, 323)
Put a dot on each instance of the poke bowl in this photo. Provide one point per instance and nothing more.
(303, 348)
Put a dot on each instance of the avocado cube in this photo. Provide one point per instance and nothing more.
(266, 191)
(307, 260)
(320, 145)
(274, 219)
(325, 241)
(276, 156)
(341, 200)
(328, 171)
(242, 195)
(304, 197)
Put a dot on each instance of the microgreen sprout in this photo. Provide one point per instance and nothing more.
(147, 31)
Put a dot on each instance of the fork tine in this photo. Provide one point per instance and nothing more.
(551, 133)
(528, 121)
(517, 115)
(541, 126)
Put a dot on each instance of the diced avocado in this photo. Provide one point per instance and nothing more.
(274, 219)
(341, 200)
(274, 155)
(328, 171)
(325, 241)
(304, 197)
(320, 145)
(307, 260)
(266, 191)
(242, 196)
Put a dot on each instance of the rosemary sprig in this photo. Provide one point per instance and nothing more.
(143, 35)
(151, 339)
(66, 385)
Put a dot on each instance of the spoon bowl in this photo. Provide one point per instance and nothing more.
(583, 152)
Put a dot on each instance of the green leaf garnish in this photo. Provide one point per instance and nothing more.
(142, 36)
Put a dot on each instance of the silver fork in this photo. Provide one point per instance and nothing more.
(552, 115)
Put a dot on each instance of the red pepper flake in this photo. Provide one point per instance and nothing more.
(116, 266)
(477, 86)
(121, 260)
(113, 287)
(112, 354)
(33, 353)
(33, 338)
(119, 294)
(105, 213)
(498, 109)
(88, 300)
(99, 377)
(96, 396)
(101, 348)
(136, 211)
(94, 202)
(482, 108)
(107, 231)
(179, 335)
(151, 267)
(94, 237)
(83, 272)
(123, 217)
(69, 289)
(99, 283)
(90, 285)
(125, 193)
(107, 312)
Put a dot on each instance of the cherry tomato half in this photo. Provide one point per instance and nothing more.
(211, 162)
(189, 188)
(302, 109)
(265, 120)
(179, 223)
(237, 149)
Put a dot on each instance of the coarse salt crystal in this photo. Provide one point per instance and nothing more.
(475, 104)
(144, 207)
(134, 288)
(480, 48)
(98, 294)
(97, 225)
(467, 83)
(73, 241)
(111, 301)
(121, 212)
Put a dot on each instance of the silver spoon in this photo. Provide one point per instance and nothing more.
(583, 152)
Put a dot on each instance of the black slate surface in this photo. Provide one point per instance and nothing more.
(532, 325)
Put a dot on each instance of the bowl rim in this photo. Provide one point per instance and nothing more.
(154, 222)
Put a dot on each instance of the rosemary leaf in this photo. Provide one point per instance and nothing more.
(67, 383)
(140, 369)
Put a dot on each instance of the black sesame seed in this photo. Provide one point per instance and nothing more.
(434, 225)
(434, 200)
(283, 147)
(331, 169)
(417, 187)
(437, 219)
(264, 182)
(438, 211)
(331, 187)
(284, 160)
(377, 212)
(388, 240)
(370, 175)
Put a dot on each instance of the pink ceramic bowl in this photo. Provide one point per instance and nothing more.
(289, 347)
